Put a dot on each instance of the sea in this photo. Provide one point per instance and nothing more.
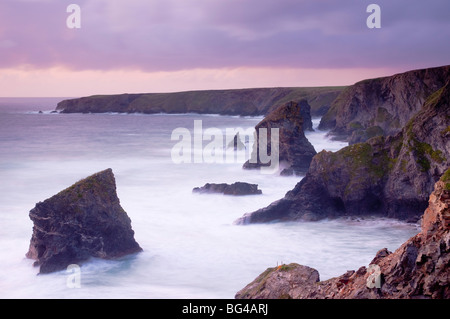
(191, 247)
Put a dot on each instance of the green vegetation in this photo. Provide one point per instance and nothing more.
(382, 115)
(434, 98)
(287, 267)
(374, 131)
(446, 131)
(423, 152)
(446, 179)
(354, 126)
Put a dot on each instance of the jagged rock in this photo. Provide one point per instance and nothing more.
(418, 269)
(295, 151)
(387, 176)
(236, 143)
(82, 221)
(237, 189)
(258, 101)
(381, 106)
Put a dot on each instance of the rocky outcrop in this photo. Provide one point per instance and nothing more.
(381, 106)
(82, 221)
(236, 143)
(278, 282)
(295, 152)
(420, 268)
(236, 189)
(243, 102)
(388, 176)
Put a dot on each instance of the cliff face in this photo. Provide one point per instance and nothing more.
(418, 269)
(245, 102)
(381, 106)
(83, 221)
(295, 152)
(389, 176)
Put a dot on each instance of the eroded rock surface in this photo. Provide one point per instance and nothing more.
(85, 220)
(420, 268)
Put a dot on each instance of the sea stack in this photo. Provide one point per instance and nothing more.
(295, 151)
(85, 220)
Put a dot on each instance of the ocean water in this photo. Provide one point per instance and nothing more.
(191, 247)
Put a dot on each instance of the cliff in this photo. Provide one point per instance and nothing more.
(418, 269)
(381, 106)
(82, 221)
(295, 152)
(387, 176)
(245, 102)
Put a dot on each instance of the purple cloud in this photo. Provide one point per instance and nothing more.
(169, 35)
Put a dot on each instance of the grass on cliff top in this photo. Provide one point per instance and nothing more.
(446, 179)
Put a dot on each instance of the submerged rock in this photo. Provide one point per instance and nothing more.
(420, 268)
(85, 220)
(237, 189)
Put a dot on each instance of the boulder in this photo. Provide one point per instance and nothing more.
(236, 189)
(85, 220)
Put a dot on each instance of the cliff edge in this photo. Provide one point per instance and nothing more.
(244, 102)
(381, 106)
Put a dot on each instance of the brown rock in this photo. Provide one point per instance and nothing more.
(420, 268)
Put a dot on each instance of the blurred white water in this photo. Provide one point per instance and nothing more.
(191, 247)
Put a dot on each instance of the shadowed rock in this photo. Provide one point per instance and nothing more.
(295, 152)
(82, 221)
(381, 106)
(256, 101)
(237, 189)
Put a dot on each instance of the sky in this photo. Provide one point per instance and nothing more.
(143, 46)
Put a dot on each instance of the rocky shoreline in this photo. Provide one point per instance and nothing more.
(396, 166)
(243, 102)
(389, 176)
(399, 133)
(419, 269)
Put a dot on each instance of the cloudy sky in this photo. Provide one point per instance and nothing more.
(176, 45)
